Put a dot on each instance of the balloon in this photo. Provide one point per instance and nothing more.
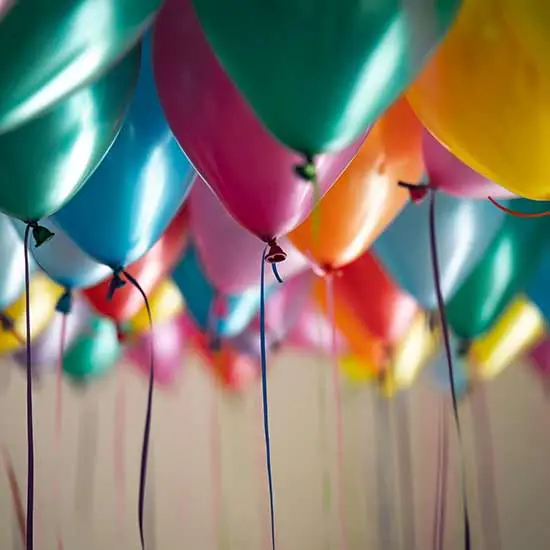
(5, 5)
(318, 73)
(366, 197)
(464, 97)
(138, 188)
(202, 300)
(148, 271)
(357, 371)
(464, 230)
(505, 268)
(165, 303)
(234, 266)
(47, 159)
(516, 331)
(62, 260)
(94, 351)
(539, 283)
(169, 341)
(48, 49)
(251, 173)
(44, 295)
(539, 356)
(46, 347)
(372, 296)
(449, 174)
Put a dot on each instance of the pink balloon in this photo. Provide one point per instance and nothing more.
(452, 176)
(540, 357)
(251, 172)
(5, 5)
(229, 253)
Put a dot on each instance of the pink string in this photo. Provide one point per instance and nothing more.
(15, 495)
(338, 411)
(118, 447)
(215, 456)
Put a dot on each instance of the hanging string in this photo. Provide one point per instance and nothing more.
(517, 214)
(329, 282)
(118, 447)
(444, 475)
(215, 457)
(446, 339)
(15, 494)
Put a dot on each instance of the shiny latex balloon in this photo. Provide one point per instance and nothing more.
(370, 293)
(357, 371)
(450, 175)
(94, 351)
(539, 357)
(62, 260)
(213, 312)
(505, 269)
(169, 341)
(165, 302)
(12, 264)
(149, 271)
(48, 49)
(44, 295)
(137, 189)
(464, 230)
(318, 73)
(519, 328)
(5, 5)
(466, 93)
(46, 160)
(539, 283)
(46, 347)
(366, 197)
(229, 253)
(251, 173)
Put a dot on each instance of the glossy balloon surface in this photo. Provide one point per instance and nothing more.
(539, 284)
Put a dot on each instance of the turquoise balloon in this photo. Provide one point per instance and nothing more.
(49, 48)
(94, 351)
(539, 285)
(319, 72)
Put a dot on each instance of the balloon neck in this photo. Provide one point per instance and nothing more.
(6, 322)
(417, 192)
(65, 303)
(121, 333)
(115, 283)
(307, 170)
(215, 344)
(433, 321)
(275, 254)
(40, 234)
(276, 345)
(463, 348)
(220, 306)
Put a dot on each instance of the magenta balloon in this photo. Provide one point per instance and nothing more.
(229, 253)
(169, 341)
(449, 174)
(251, 172)
(540, 357)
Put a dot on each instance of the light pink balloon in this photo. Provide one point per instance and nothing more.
(449, 174)
(251, 172)
(230, 254)
(5, 5)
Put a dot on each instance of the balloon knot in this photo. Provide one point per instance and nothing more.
(220, 306)
(65, 302)
(215, 344)
(463, 348)
(40, 234)
(276, 345)
(6, 322)
(275, 254)
(116, 283)
(307, 170)
(417, 193)
(121, 333)
(433, 321)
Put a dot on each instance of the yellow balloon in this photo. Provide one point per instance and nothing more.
(356, 370)
(518, 329)
(487, 98)
(166, 302)
(44, 295)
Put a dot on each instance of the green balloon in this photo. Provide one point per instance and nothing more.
(319, 72)
(503, 271)
(46, 160)
(94, 352)
(48, 48)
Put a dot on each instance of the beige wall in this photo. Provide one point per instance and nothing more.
(180, 509)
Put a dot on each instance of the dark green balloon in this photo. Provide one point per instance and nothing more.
(94, 352)
(503, 272)
(318, 72)
(45, 161)
(48, 48)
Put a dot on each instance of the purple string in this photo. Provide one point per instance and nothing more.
(446, 339)
(148, 414)
(30, 428)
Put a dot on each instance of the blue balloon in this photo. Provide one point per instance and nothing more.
(538, 288)
(199, 295)
(62, 260)
(130, 199)
(464, 230)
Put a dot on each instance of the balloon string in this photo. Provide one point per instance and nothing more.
(118, 447)
(263, 357)
(444, 476)
(30, 427)
(215, 456)
(329, 282)
(437, 499)
(446, 339)
(148, 413)
(15, 494)
(517, 214)
(266, 533)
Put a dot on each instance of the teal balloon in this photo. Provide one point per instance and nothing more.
(319, 72)
(49, 48)
(94, 351)
(538, 288)
(46, 160)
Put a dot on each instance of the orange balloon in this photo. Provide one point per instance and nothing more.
(366, 197)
